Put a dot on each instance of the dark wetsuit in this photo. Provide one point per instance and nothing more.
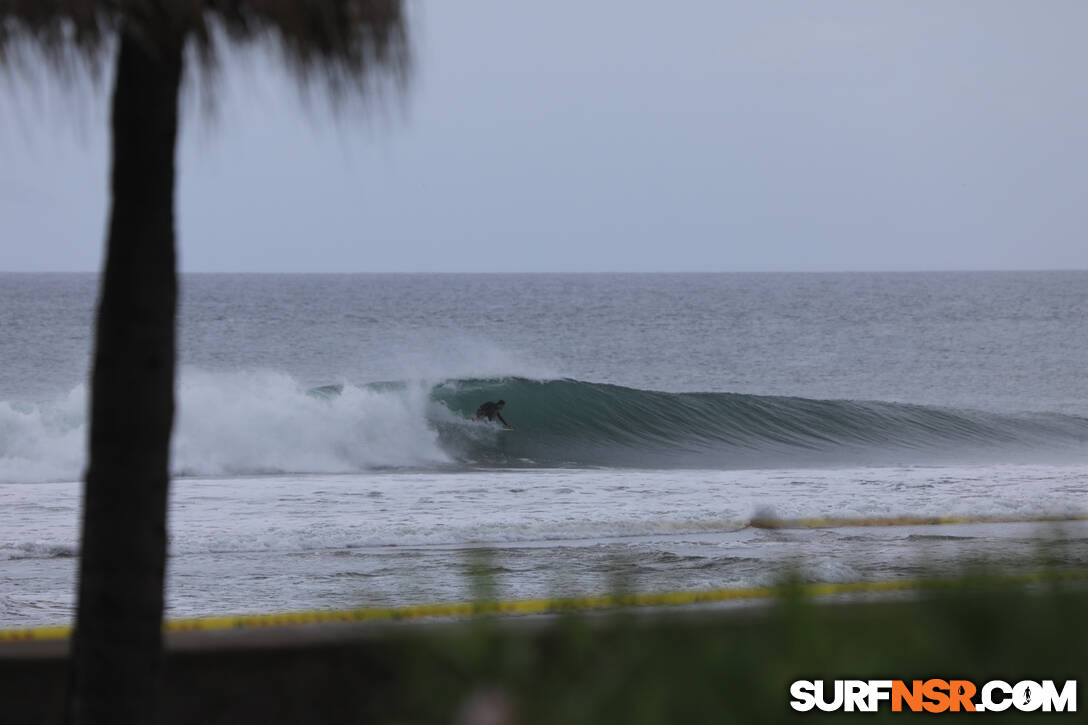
(490, 411)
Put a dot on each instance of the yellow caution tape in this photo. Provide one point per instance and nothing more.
(831, 522)
(531, 606)
(39, 634)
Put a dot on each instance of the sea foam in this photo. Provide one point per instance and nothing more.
(240, 422)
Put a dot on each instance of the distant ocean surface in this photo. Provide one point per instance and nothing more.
(325, 455)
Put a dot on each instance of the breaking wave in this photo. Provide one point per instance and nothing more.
(570, 422)
(261, 422)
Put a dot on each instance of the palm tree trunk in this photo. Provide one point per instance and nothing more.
(117, 646)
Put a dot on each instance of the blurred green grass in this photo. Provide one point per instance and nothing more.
(688, 665)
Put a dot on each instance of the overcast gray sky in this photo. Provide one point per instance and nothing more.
(614, 135)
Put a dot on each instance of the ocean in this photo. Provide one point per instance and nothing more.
(325, 457)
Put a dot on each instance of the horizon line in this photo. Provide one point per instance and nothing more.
(991, 270)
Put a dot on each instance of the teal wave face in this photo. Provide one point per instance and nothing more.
(569, 422)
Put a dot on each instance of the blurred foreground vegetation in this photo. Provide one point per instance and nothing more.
(697, 665)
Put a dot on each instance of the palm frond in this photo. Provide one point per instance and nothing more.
(338, 42)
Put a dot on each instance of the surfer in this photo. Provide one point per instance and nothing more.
(491, 411)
